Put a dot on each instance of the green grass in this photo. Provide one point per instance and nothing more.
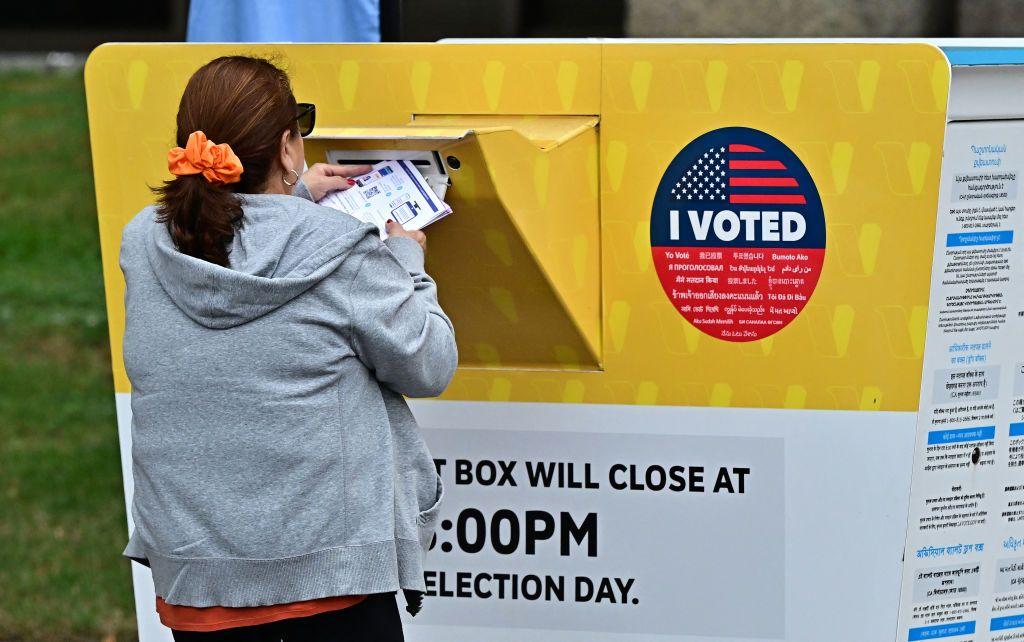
(62, 519)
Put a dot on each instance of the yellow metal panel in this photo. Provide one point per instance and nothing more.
(868, 122)
(504, 263)
(552, 196)
(391, 132)
(866, 119)
(532, 296)
(544, 131)
(133, 92)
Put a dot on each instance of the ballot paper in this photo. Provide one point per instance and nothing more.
(394, 190)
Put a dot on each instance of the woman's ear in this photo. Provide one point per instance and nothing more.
(285, 153)
(292, 152)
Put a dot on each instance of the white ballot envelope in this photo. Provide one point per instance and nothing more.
(394, 190)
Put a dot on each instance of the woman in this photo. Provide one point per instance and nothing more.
(282, 489)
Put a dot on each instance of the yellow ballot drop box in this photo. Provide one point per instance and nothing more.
(719, 306)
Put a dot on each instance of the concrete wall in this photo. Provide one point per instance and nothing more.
(824, 18)
(990, 18)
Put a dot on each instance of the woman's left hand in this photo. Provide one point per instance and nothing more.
(323, 178)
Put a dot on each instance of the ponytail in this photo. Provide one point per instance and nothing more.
(245, 104)
(201, 217)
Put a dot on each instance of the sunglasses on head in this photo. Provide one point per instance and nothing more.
(305, 118)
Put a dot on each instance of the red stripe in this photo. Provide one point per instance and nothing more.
(747, 181)
(744, 148)
(793, 199)
(755, 164)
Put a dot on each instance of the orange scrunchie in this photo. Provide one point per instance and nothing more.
(217, 163)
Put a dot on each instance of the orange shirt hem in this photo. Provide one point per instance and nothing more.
(218, 618)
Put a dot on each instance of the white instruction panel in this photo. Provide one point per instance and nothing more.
(567, 522)
(963, 576)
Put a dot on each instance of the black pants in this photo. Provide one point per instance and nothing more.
(375, 619)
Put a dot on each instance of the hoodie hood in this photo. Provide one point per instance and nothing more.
(285, 246)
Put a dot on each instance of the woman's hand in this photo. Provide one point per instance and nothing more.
(323, 178)
(395, 229)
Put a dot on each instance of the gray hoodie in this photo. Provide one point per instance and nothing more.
(274, 457)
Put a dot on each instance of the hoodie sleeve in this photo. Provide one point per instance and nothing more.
(301, 191)
(398, 329)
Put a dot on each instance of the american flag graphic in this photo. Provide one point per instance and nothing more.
(741, 174)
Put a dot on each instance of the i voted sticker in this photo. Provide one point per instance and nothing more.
(738, 234)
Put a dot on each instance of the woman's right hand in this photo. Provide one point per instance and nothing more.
(393, 228)
(323, 178)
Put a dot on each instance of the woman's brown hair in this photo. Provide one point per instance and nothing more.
(246, 103)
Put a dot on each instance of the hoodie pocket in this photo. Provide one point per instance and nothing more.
(426, 521)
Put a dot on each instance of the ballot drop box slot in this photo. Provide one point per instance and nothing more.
(523, 282)
(737, 324)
